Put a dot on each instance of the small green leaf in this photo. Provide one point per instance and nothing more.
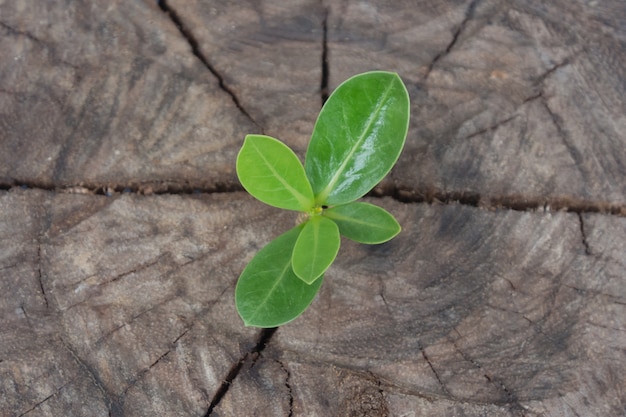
(270, 171)
(268, 293)
(358, 137)
(364, 222)
(315, 249)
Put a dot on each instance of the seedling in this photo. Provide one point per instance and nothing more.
(357, 139)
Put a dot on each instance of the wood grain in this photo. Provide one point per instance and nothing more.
(508, 98)
(269, 55)
(110, 95)
(123, 231)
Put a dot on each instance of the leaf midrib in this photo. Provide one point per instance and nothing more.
(357, 221)
(304, 202)
(323, 195)
(315, 224)
(281, 276)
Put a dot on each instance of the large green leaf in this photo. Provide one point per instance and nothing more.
(358, 137)
(364, 222)
(315, 249)
(272, 173)
(268, 293)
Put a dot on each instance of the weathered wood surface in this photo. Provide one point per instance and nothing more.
(122, 304)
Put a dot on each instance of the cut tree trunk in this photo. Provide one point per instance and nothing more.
(123, 228)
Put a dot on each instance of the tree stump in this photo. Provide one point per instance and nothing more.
(123, 227)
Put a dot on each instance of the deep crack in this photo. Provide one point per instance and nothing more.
(195, 49)
(402, 194)
(469, 14)
(506, 202)
(252, 355)
(147, 188)
(324, 81)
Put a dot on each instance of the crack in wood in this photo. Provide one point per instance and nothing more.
(288, 386)
(143, 372)
(491, 128)
(10, 266)
(39, 42)
(16, 32)
(434, 371)
(576, 155)
(533, 97)
(108, 190)
(469, 14)
(398, 193)
(40, 275)
(113, 402)
(126, 322)
(132, 271)
(584, 235)
(612, 298)
(152, 365)
(115, 278)
(30, 325)
(325, 64)
(173, 345)
(36, 405)
(511, 398)
(195, 49)
(253, 354)
(542, 78)
(506, 202)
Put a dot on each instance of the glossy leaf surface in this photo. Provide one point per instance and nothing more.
(268, 293)
(358, 137)
(364, 222)
(270, 171)
(315, 249)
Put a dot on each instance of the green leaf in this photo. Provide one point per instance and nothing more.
(364, 222)
(270, 171)
(268, 293)
(358, 137)
(315, 249)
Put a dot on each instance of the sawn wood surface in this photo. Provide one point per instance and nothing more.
(123, 228)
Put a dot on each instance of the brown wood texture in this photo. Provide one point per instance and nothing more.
(123, 228)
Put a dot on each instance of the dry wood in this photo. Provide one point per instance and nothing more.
(509, 99)
(123, 305)
(128, 305)
(269, 56)
(109, 95)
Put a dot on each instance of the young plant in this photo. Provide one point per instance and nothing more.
(357, 139)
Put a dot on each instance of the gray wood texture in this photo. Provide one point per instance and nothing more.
(123, 228)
